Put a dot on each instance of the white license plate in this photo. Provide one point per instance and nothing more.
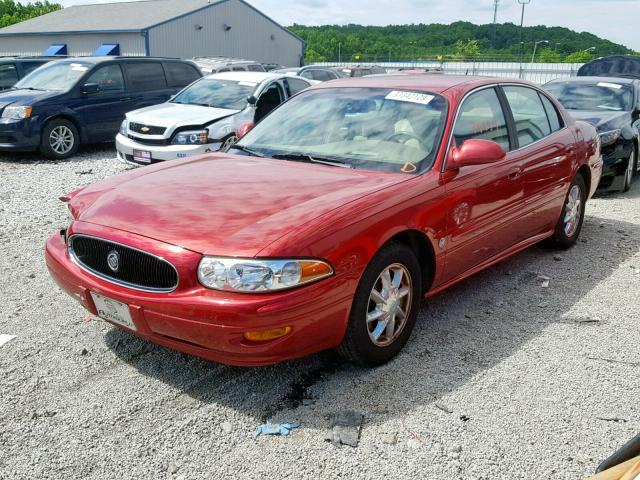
(113, 311)
(141, 156)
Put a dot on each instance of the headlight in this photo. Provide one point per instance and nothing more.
(17, 113)
(198, 137)
(249, 275)
(607, 138)
(123, 127)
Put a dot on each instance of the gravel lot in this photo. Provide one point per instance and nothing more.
(502, 379)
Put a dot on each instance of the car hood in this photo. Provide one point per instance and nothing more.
(221, 204)
(24, 97)
(172, 115)
(602, 120)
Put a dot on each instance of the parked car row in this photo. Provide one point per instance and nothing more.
(327, 223)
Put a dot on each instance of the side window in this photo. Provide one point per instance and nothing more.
(225, 69)
(552, 112)
(320, 75)
(239, 69)
(295, 85)
(181, 74)
(28, 67)
(269, 99)
(8, 76)
(145, 76)
(529, 115)
(255, 68)
(109, 78)
(481, 116)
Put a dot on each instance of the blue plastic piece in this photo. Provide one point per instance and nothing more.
(275, 429)
(107, 49)
(54, 50)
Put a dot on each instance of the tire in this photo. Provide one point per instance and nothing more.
(631, 170)
(60, 139)
(569, 226)
(359, 345)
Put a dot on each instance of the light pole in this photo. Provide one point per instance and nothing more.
(523, 3)
(339, 52)
(535, 47)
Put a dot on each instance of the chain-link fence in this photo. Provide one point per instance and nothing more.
(534, 72)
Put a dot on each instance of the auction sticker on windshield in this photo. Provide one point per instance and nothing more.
(412, 97)
(113, 311)
(610, 85)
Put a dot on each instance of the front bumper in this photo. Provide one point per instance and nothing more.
(19, 135)
(614, 169)
(207, 323)
(159, 153)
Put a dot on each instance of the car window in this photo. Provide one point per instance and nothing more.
(28, 67)
(239, 69)
(144, 76)
(295, 85)
(8, 75)
(225, 69)
(181, 74)
(109, 78)
(255, 68)
(481, 116)
(529, 115)
(552, 112)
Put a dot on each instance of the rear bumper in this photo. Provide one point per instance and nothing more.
(19, 135)
(159, 153)
(210, 324)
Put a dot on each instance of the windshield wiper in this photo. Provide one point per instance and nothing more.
(334, 162)
(248, 150)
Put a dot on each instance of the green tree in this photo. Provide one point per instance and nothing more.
(579, 57)
(311, 56)
(14, 12)
(546, 55)
(468, 50)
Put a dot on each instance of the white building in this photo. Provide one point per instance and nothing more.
(164, 28)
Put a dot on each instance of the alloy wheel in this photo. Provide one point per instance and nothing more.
(629, 173)
(573, 211)
(61, 139)
(389, 305)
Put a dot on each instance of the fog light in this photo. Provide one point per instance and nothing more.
(266, 335)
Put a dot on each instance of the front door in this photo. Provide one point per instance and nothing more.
(485, 199)
(102, 113)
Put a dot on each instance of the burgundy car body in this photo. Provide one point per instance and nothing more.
(459, 221)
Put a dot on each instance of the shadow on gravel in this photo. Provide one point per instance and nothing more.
(460, 333)
(34, 158)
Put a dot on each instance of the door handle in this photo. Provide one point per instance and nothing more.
(515, 174)
(126, 99)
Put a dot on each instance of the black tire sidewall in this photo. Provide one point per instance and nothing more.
(45, 146)
(357, 346)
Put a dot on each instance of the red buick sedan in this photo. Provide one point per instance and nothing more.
(326, 224)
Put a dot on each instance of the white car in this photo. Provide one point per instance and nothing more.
(204, 117)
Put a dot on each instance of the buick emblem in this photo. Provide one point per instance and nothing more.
(113, 260)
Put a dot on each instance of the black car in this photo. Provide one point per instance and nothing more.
(13, 69)
(84, 100)
(612, 105)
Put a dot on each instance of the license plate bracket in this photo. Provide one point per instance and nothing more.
(142, 156)
(113, 311)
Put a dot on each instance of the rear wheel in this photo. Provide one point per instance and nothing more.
(570, 222)
(384, 308)
(631, 169)
(60, 139)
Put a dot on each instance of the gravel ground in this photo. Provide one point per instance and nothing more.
(502, 379)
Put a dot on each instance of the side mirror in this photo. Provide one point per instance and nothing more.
(90, 88)
(475, 152)
(243, 130)
(252, 100)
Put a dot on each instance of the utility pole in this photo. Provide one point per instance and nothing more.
(523, 3)
(496, 5)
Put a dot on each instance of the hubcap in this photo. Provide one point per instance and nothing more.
(389, 305)
(573, 211)
(61, 139)
(630, 169)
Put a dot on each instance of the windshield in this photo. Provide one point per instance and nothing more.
(230, 94)
(55, 76)
(592, 95)
(370, 128)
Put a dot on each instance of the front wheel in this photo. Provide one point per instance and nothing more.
(60, 139)
(631, 170)
(384, 308)
(570, 222)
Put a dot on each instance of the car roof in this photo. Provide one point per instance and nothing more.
(96, 60)
(255, 77)
(619, 80)
(417, 82)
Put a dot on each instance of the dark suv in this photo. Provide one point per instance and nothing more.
(13, 69)
(84, 100)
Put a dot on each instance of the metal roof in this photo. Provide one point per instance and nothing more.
(110, 17)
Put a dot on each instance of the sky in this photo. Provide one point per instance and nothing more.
(616, 20)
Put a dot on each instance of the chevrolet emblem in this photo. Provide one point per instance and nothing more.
(145, 129)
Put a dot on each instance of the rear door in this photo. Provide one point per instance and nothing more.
(180, 74)
(484, 199)
(102, 113)
(546, 152)
(147, 83)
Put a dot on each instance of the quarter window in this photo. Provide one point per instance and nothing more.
(109, 78)
(8, 76)
(481, 117)
(529, 115)
(146, 76)
(552, 113)
(181, 74)
(294, 86)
